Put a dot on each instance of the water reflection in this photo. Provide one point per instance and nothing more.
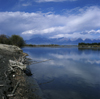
(75, 72)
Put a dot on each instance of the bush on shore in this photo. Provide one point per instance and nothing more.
(13, 40)
(4, 39)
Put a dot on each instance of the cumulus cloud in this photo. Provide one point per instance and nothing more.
(53, 0)
(84, 24)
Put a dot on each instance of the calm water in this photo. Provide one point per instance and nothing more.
(70, 74)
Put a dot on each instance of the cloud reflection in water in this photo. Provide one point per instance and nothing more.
(75, 72)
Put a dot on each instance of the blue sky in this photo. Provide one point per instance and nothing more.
(50, 18)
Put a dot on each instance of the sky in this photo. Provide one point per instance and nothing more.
(50, 18)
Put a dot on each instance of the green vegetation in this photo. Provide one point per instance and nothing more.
(17, 40)
(13, 40)
(4, 39)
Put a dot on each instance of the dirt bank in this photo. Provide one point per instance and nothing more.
(14, 85)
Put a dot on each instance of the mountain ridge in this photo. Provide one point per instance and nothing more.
(60, 41)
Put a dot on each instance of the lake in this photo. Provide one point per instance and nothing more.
(66, 73)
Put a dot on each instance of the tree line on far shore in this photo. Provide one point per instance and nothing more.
(89, 44)
(13, 40)
(46, 45)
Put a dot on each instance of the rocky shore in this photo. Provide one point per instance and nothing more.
(15, 84)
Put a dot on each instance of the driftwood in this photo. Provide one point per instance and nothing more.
(1, 85)
(17, 64)
(20, 63)
(15, 87)
(12, 94)
(6, 74)
(11, 69)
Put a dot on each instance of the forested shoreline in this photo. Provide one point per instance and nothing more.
(13, 40)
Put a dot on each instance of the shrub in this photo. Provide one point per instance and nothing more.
(17, 40)
(4, 39)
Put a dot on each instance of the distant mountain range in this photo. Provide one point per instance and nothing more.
(60, 41)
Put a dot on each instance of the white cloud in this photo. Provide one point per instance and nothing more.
(26, 4)
(53, 0)
(84, 24)
(47, 30)
(93, 31)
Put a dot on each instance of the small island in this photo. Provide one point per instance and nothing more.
(89, 45)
